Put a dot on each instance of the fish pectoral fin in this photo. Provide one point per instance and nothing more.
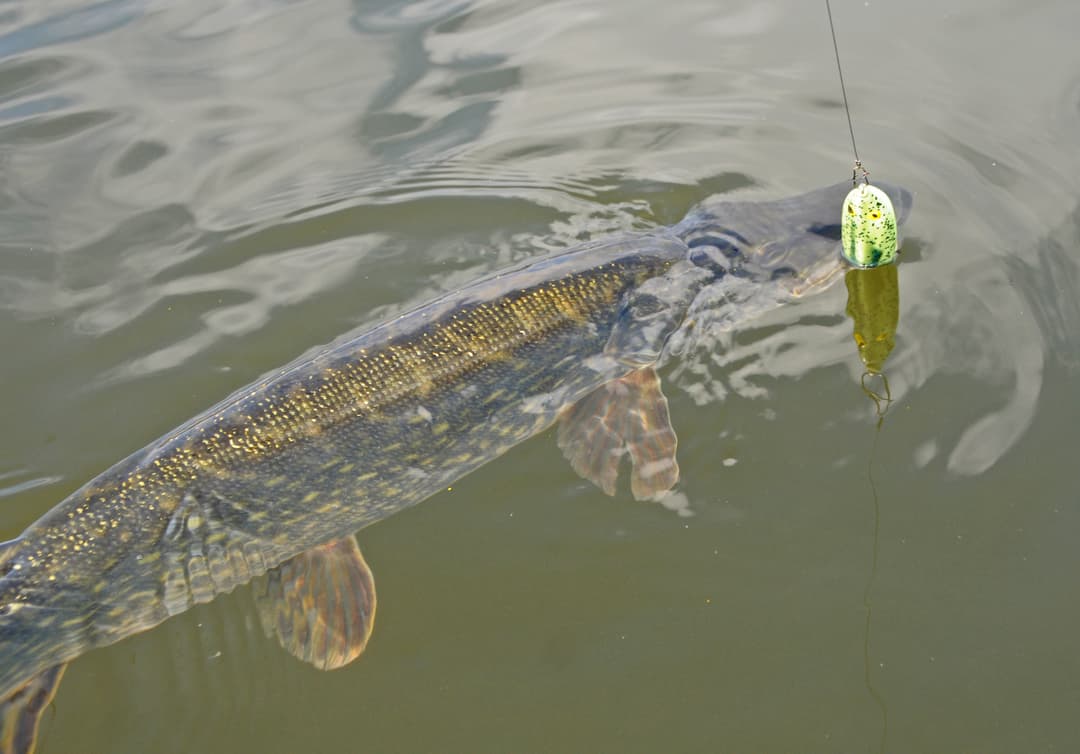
(20, 712)
(650, 438)
(320, 604)
(625, 416)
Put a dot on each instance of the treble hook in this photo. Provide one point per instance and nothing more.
(878, 398)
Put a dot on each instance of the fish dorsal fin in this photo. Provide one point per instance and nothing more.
(20, 712)
(625, 416)
(320, 604)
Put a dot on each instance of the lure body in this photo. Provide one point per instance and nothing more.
(868, 227)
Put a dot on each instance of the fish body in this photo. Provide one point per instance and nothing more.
(382, 419)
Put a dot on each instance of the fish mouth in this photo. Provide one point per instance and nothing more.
(806, 259)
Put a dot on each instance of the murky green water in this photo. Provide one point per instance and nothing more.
(194, 193)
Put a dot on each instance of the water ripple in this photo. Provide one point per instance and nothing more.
(69, 26)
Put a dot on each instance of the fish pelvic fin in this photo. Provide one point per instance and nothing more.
(21, 711)
(320, 604)
(627, 416)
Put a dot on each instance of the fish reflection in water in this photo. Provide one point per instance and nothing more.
(272, 483)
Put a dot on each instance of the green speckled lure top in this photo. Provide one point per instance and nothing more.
(869, 237)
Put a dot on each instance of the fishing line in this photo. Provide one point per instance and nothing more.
(847, 109)
(868, 220)
(868, 240)
(868, 605)
(879, 400)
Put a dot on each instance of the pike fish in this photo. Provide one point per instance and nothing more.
(271, 484)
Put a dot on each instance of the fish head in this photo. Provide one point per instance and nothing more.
(805, 254)
(793, 243)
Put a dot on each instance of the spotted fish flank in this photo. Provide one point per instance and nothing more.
(272, 483)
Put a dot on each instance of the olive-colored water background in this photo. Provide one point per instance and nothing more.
(194, 193)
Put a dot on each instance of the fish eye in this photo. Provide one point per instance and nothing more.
(850, 210)
(875, 214)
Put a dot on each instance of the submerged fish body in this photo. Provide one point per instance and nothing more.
(297, 462)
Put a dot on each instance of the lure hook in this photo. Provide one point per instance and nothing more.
(855, 173)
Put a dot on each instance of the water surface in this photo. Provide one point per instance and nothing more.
(193, 194)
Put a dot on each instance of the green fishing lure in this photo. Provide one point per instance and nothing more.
(868, 227)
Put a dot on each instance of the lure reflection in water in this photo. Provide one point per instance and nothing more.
(874, 308)
(272, 483)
